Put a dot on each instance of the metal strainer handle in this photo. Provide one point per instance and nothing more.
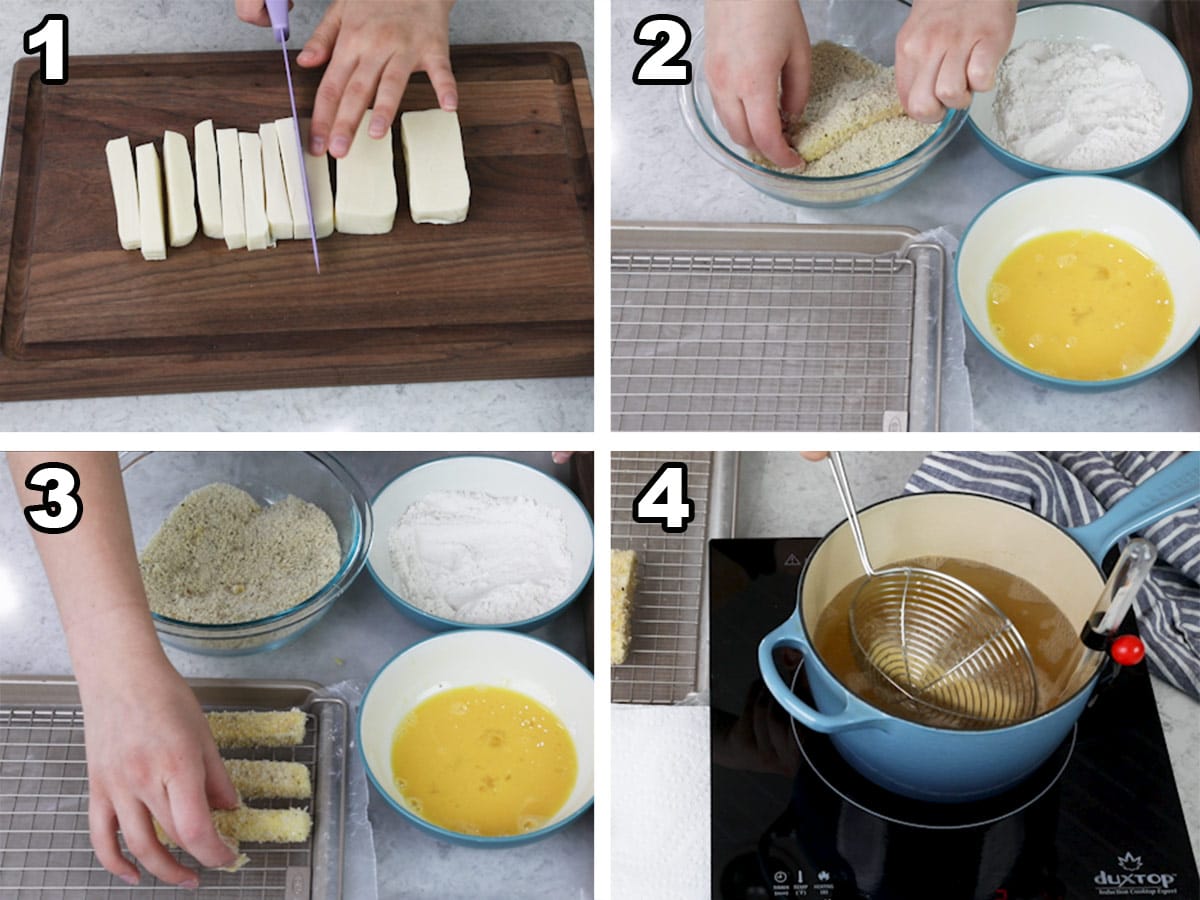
(843, 486)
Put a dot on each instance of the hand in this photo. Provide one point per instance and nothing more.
(372, 47)
(814, 455)
(150, 754)
(948, 49)
(255, 12)
(758, 63)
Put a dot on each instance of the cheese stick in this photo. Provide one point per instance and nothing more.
(258, 231)
(125, 192)
(150, 203)
(624, 582)
(263, 826)
(366, 194)
(208, 181)
(438, 188)
(259, 778)
(233, 205)
(181, 189)
(279, 210)
(285, 130)
(251, 728)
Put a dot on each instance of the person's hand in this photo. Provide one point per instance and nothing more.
(758, 61)
(372, 47)
(948, 49)
(150, 754)
(814, 455)
(255, 12)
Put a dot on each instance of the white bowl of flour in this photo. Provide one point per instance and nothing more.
(1083, 89)
(480, 541)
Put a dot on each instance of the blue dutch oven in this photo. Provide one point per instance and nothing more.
(940, 764)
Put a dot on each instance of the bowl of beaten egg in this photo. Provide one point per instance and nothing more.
(1081, 282)
(481, 738)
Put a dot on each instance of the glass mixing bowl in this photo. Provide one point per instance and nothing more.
(156, 482)
(859, 189)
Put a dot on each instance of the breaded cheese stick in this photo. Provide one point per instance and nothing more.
(258, 778)
(263, 826)
(624, 582)
(252, 728)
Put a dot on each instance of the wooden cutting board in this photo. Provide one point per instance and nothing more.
(508, 293)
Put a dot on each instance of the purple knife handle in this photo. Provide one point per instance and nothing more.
(278, 11)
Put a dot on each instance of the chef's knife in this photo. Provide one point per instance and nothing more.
(277, 10)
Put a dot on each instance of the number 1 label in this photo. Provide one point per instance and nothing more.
(49, 38)
(664, 500)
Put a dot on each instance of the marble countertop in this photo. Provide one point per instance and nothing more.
(352, 642)
(780, 494)
(163, 26)
(660, 173)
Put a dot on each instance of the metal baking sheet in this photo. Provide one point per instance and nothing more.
(775, 328)
(44, 846)
(668, 651)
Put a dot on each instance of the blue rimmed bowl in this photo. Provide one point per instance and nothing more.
(1081, 202)
(493, 658)
(491, 475)
(1158, 58)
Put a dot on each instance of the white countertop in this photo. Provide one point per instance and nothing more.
(659, 173)
(779, 495)
(353, 641)
(142, 26)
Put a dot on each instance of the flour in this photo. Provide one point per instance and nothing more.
(1072, 106)
(473, 557)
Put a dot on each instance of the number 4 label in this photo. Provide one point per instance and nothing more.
(670, 37)
(665, 500)
(49, 38)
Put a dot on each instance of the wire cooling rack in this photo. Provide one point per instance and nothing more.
(45, 850)
(668, 655)
(779, 328)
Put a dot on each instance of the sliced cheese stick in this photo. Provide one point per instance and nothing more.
(285, 129)
(181, 189)
(320, 191)
(254, 728)
(255, 779)
(438, 188)
(263, 826)
(279, 210)
(366, 194)
(233, 206)
(208, 182)
(125, 193)
(258, 232)
(150, 203)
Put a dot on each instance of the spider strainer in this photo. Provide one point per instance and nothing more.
(953, 655)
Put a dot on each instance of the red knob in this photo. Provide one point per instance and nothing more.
(1128, 650)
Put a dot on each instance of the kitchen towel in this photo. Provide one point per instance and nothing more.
(1073, 488)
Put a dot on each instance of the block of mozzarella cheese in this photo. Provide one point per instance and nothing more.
(208, 181)
(150, 203)
(289, 152)
(125, 193)
(258, 231)
(233, 206)
(320, 191)
(279, 210)
(181, 189)
(438, 188)
(366, 194)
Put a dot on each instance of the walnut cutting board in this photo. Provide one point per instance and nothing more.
(508, 293)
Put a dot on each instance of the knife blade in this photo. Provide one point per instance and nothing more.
(277, 11)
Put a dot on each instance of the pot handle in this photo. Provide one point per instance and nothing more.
(854, 714)
(1163, 493)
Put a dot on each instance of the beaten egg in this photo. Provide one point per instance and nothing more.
(1081, 305)
(484, 760)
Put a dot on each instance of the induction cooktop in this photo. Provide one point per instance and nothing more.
(1100, 819)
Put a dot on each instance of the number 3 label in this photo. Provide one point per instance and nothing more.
(670, 37)
(61, 507)
(664, 500)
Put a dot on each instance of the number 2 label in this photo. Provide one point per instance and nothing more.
(49, 38)
(61, 507)
(670, 37)
(665, 500)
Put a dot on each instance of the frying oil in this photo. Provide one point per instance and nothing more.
(1053, 644)
(484, 760)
